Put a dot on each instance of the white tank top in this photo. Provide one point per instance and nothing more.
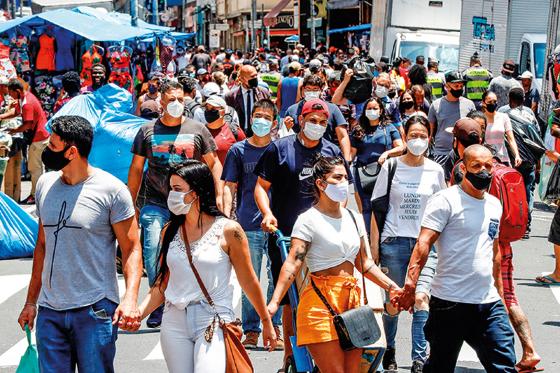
(212, 263)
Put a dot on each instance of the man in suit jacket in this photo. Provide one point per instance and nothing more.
(243, 97)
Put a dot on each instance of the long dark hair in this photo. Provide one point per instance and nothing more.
(364, 128)
(200, 179)
(416, 119)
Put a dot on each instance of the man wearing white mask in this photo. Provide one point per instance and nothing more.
(382, 88)
(337, 126)
(164, 142)
(285, 185)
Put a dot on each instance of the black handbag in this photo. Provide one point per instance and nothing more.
(380, 205)
(360, 86)
(368, 173)
(358, 327)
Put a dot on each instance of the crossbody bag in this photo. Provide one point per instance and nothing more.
(368, 173)
(358, 327)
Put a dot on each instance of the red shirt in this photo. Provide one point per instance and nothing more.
(224, 139)
(32, 111)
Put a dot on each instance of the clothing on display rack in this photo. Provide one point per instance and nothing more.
(119, 59)
(47, 92)
(65, 41)
(4, 48)
(92, 56)
(166, 50)
(46, 55)
(19, 53)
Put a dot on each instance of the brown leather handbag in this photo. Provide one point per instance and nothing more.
(237, 359)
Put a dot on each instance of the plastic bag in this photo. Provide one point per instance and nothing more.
(29, 362)
(18, 230)
(553, 185)
(360, 87)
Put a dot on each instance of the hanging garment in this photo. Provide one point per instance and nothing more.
(4, 48)
(19, 54)
(46, 55)
(119, 59)
(92, 56)
(167, 47)
(64, 46)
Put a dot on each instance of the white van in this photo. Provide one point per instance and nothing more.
(441, 46)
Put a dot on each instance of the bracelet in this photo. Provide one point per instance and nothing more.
(31, 304)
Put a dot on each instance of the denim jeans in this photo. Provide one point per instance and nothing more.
(152, 220)
(529, 178)
(82, 336)
(258, 248)
(485, 327)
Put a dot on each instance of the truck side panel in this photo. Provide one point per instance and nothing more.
(429, 15)
(526, 17)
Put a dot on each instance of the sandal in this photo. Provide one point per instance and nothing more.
(547, 280)
(527, 369)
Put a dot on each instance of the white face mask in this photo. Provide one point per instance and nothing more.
(417, 146)
(311, 95)
(175, 109)
(372, 114)
(381, 91)
(176, 203)
(337, 192)
(314, 131)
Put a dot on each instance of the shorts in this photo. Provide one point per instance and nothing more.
(507, 275)
(276, 265)
(314, 321)
(424, 283)
(554, 233)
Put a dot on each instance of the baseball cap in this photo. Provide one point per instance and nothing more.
(454, 77)
(508, 66)
(467, 130)
(526, 75)
(210, 89)
(315, 106)
(201, 71)
(216, 101)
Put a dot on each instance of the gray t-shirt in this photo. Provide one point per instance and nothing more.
(80, 245)
(444, 114)
(501, 85)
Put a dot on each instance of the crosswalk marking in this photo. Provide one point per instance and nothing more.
(11, 284)
(556, 292)
(13, 355)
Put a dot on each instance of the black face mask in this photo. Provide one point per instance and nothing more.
(481, 180)
(55, 160)
(211, 115)
(253, 83)
(408, 105)
(392, 94)
(456, 92)
(491, 107)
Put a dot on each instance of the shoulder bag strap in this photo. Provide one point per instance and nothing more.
(391, 174)
(196, 274)
(322, 297)
(360, 251)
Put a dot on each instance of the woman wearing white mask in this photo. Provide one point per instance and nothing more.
(415, 179)
(373, 140)
(331, 241)
(216, 245)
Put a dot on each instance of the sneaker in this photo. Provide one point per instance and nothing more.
(389, 362)
(417, 366)
(279, 340)
(154, 320)
(251, 340)
(28, 201)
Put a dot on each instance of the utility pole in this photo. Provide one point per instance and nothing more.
(133, 13)
(155, 15)
(13, 8)
(264, 40)
(253, 31)
(312, 28)
(183, 15)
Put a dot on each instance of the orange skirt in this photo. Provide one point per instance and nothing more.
(314, 321)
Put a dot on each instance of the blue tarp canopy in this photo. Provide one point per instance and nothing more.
(364, 27)
(292, 39)
(80, 24)
(119, 18)
(176, 35)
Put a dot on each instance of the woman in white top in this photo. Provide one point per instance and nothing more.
(498, 127)
(329, 240)
(416, 178)
(217, 244)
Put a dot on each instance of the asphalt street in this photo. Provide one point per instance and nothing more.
(141, 351)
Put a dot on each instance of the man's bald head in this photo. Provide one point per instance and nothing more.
(247, 73)
(476, 153)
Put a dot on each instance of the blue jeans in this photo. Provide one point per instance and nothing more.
(152, 220)
(258, 248)
(82, 336)
(485, 327)
(529, 180)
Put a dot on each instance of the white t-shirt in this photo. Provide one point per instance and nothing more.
(495, 135)
(333, 241)
(410, 191)
(468, 227)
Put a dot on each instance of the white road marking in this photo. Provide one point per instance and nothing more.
(14, 354)
(156, 353)
(11, 284)
(556, 292)
(467, 354)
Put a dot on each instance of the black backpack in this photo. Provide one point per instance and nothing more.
(361, 85)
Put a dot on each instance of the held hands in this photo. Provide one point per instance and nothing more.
(403, 299)
(27, 316)
(269, 335)
(128, 316)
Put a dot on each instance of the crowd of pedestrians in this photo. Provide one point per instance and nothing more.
(239, 145)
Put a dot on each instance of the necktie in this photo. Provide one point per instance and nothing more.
(248, 108)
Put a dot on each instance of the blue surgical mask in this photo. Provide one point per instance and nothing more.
(261, 127)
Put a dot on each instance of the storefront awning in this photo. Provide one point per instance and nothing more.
(364, 27)
(270, 17)
(283, 32)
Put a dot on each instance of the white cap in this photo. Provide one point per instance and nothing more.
(4, 80)
(526, 75)
(216, 101)
(210, 89)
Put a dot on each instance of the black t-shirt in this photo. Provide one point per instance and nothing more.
(165, 146)
(201, 61)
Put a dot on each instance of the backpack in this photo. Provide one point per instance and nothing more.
(508, 186)
(233, 127)
(190, 108)
(360, 87)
